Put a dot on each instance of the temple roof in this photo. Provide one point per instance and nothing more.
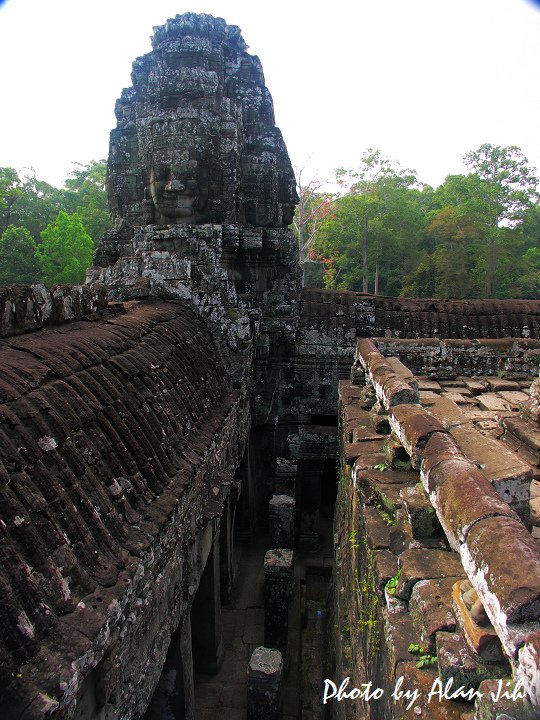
(101, 425)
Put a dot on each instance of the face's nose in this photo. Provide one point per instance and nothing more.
(175, 186)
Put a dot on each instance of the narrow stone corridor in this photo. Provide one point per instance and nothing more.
(223, 695)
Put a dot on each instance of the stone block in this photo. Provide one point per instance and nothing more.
(462, 496)
(281, 521)
(413, 425)
(508, 474)
(509, 591)
(278, 573)
(424, 705)
(492, 402)
(420, 512)
(476, 385)
(483, 641)
(496, 384)
(396, 455)
(264, 676)
(528, 668)
(386, 567)
(428, 397)
(449, 413)
(377, 530)
(419, 564)
(399, 633)
(502, 700)
(457, 663)
(431, 609)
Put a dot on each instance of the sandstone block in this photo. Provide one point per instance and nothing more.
(462, 496)
(509, 591)
(413, 426)
(483, 641)
(458, 663)
(508, 474)
(528, 669)
(431, 609)
(420, 564)
(264, 684)
(420, 512)
(492, 706)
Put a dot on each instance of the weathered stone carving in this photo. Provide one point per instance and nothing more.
(196, 139)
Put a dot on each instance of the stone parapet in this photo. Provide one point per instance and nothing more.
(25, 308)
(478, 489)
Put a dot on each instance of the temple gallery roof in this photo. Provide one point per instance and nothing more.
(101, 423)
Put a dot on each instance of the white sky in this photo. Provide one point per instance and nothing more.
(422, 80)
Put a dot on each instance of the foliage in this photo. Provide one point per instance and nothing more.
(32, 203)
(391, 585)
(373, 225)
(66, 250)
(508, 189)
(473, 236)
(10, 191)
(425, 659)
(86, 195)
(313, 208)
(18, 263)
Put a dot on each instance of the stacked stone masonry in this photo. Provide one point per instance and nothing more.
(189, 392)
(433, 511)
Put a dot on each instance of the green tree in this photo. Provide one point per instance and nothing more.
(38, 204)
(10, 192)
(66, 250)
(86, 195)
(18, 263)
(507, 189)
(372, 236)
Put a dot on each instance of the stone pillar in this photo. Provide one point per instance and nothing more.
(264, 684)
(281, 521)
(310, 504)
(174, 695)
(278, 569)
(208, 649)
(226, 548)
(285, 477)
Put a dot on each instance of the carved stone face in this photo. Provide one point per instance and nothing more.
(177, 195)
(196, 140)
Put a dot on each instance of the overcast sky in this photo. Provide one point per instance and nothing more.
(422, 80)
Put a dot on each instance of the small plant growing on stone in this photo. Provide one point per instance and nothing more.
(352, 540)
(425, 659)
(381, 466)
(388, 518)
(392, 584)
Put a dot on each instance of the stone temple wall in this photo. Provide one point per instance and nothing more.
(437, 572)
(129, 433)
(430, 330)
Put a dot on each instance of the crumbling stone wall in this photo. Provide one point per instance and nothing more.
(421, 564)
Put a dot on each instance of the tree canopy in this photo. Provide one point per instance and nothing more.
(29, 207)
(476, 235)
(65, 251)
